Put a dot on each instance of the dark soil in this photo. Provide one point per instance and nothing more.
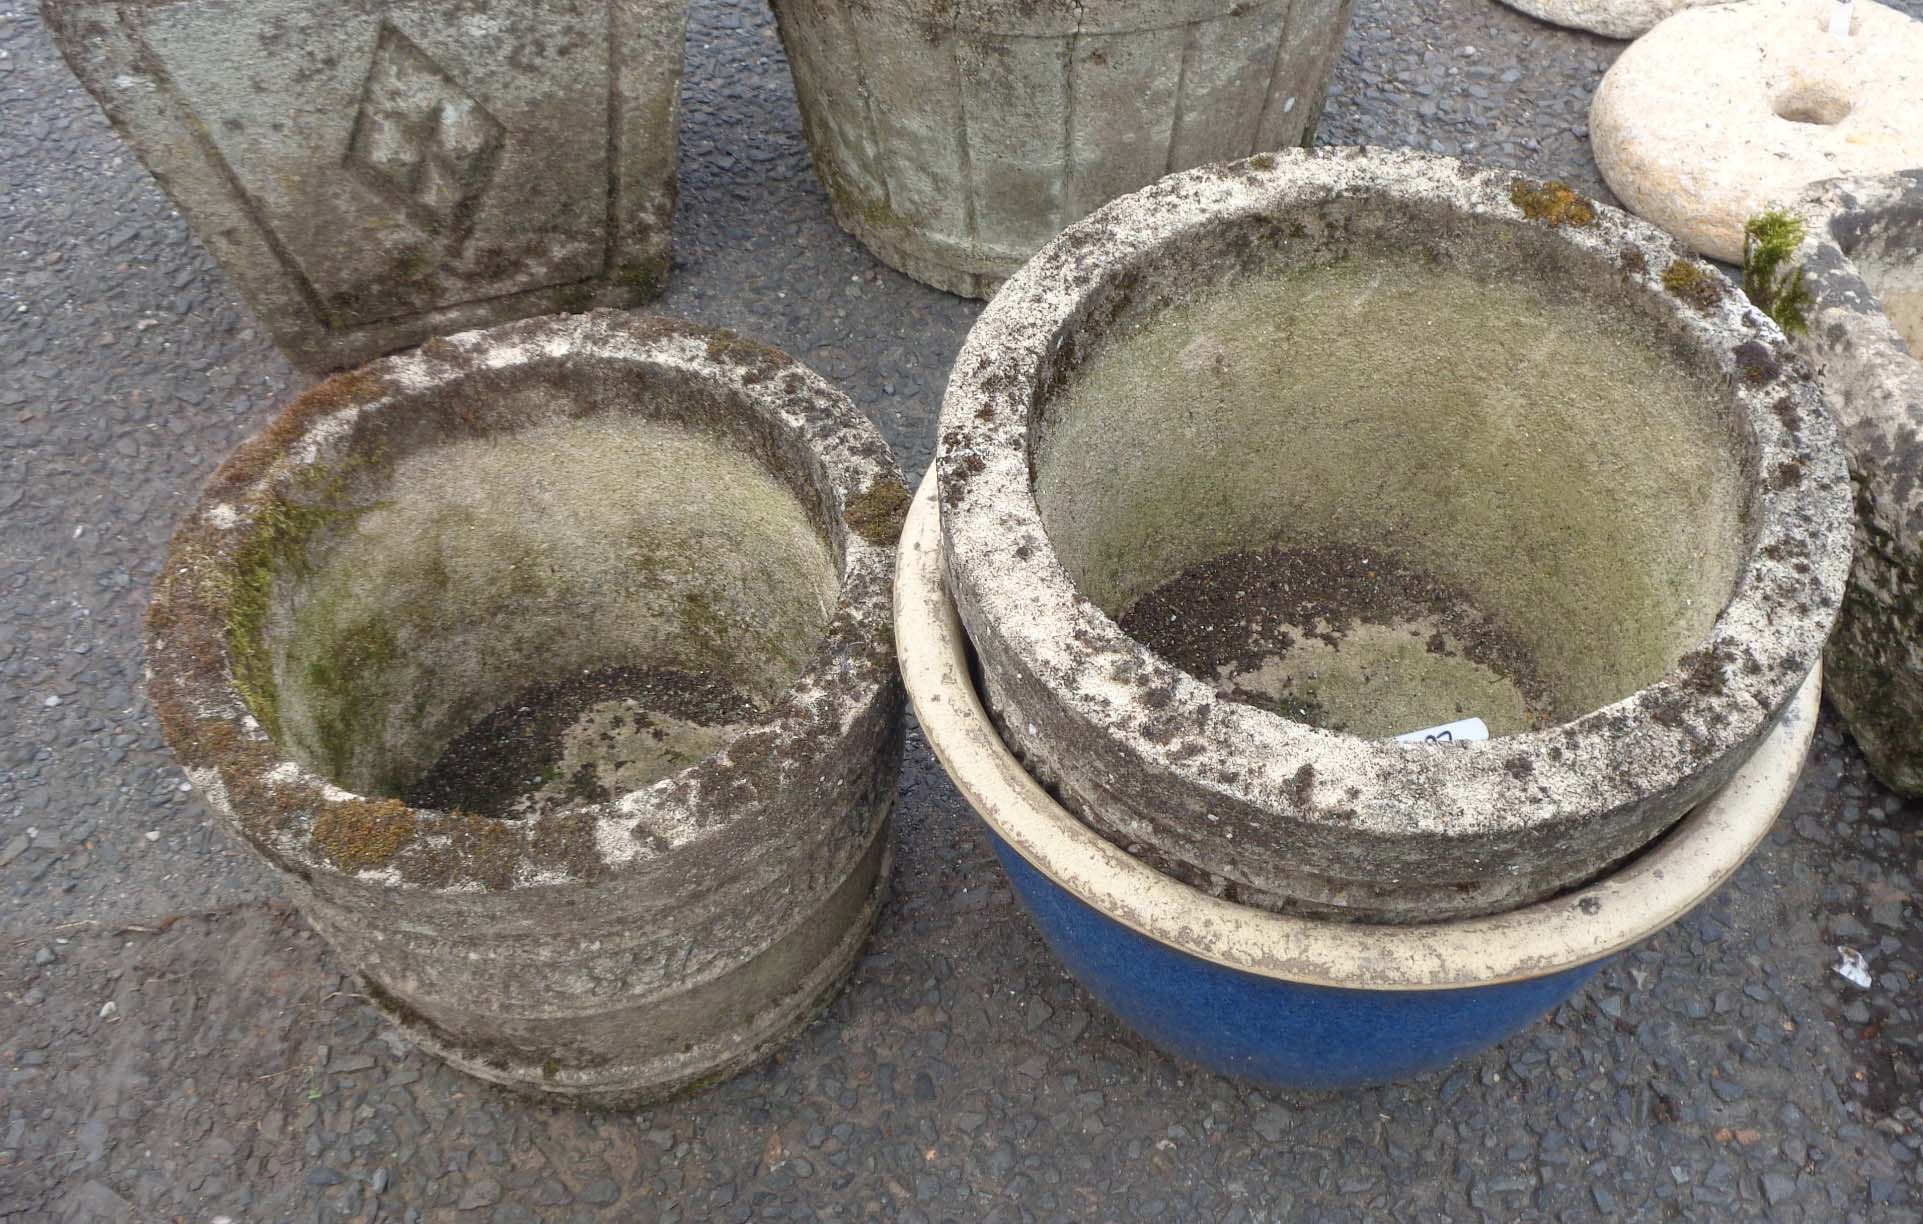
(517, 747)
(1235, 610)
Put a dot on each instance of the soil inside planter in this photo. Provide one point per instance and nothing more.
(587, 738)
(1362, 644)
(1320, 468)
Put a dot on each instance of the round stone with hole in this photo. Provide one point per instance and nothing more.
(1720, 112)
(1610, 18)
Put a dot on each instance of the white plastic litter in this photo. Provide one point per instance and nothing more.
(1852, 966)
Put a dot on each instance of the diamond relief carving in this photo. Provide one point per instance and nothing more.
(421, 140)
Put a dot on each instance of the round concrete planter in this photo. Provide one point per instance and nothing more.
(954, 140)
(1480, 448)
(552, 666)
(1863, 257)
(1290, 1002)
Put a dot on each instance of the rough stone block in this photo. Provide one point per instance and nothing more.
(373, 173)
(1863, 258)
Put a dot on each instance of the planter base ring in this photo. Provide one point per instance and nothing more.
(637, 1085)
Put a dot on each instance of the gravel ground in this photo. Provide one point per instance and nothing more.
(177, 1045)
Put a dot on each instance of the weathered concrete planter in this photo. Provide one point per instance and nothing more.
(1291, 1002)
(1371, 441)
(954, 140)
(1864, 260)
(376, 173)
(552, 665)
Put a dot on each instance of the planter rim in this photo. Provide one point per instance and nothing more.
(1640, 898)
(1722, 697)
(222, 745)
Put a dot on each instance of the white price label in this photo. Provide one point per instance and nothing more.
(1460, 731)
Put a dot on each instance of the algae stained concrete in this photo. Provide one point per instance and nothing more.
(374, 173)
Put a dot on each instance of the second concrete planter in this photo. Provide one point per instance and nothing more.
(1263, 466)
(955, 139)
(552, 667)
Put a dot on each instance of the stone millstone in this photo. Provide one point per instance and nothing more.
(1368, 441)
(372, 174)
(1863, 261)
(552, 666)
(1722, 111)
(1610, 18)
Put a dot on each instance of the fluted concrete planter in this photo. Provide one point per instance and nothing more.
(1262, 466)
(954, 140)
(1287, 1001)
(372, 174)
(551, 666)
(1863, 255)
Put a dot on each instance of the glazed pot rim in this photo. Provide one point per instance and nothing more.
(1720, 699)
(1643, 896)
(222, 745)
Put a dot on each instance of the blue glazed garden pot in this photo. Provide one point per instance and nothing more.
(1270, 1030)
(1284, 1001)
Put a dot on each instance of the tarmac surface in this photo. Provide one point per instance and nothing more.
(175, 1044)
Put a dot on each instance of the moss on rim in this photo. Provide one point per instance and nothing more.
(1554, 202)
(877, 512)
(364, 835)
(1693, 283)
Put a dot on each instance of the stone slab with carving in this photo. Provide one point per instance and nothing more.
(373, 174)
(1720, 112)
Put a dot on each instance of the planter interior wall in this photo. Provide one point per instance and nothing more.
(552, 666)
(1863, 258)
(474, 570)
(1271, 462)
(1466, 448)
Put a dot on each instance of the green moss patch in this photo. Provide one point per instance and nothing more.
(1555, 203)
